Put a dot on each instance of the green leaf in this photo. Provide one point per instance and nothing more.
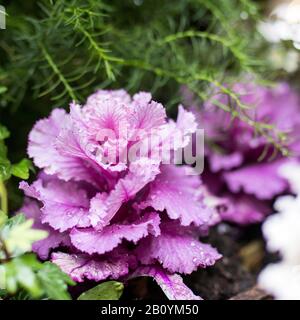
(110, 290)
(36, 278)
(2, 89)
(2, 278)
(5, 165)
(3, 292)
(21, 295)
(3, 218)
(3, 150)
(21, 169)
(5, 169)
(19, 238)
(54, 282)
(19, 272)
(15, 220)
(4, 133)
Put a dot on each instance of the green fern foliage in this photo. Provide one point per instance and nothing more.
(62, 50)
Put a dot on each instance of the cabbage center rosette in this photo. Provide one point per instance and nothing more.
(111, 216)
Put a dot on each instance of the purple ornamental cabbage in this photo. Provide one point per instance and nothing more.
(110, 218)
(233, 149)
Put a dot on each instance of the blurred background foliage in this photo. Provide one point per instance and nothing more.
(56, 51)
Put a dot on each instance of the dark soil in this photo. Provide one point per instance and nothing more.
(229, 276)
(233, 277)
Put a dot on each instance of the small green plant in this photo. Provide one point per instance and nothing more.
(110, 290)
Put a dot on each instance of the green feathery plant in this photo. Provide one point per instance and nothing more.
(58, 51)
